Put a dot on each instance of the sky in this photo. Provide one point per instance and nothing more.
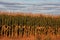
(41, 6)
(32, 1)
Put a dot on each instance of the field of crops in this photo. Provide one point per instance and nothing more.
(29, 27)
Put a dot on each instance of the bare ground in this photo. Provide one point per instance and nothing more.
(31, 37)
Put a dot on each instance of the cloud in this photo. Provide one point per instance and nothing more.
(53, 8)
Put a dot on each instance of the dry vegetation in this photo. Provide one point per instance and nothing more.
(29, 26)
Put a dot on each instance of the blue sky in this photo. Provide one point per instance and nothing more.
(42, 6)
(31, 1)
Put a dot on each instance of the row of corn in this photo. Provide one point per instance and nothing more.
(27, 25)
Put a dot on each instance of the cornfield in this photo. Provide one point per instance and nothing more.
(20, 25)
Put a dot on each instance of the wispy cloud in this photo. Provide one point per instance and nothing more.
(53, 8)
